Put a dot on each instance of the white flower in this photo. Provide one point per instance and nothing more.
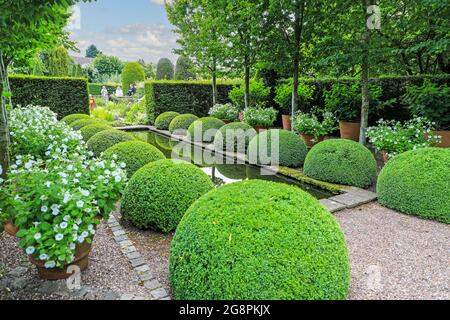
(80, 239)
(63, 225)
(50, 264)
(43, 257)
(85, 193)
(72, 246)
(30, 250)
(90, 227)
(37, 236)
(85, 234)
(80, 204)
(118, 179)
(75, 227)
(48, 184)
(66, 218)
(59, 237)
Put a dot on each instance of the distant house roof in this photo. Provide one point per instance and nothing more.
(82, 60)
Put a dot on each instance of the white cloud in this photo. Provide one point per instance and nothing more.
(159, 2)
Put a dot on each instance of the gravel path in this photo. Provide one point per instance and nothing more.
(396, 256)
(108, 277)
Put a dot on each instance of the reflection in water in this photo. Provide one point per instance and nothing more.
(220, 173)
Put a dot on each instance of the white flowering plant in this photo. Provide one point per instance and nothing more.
(310, 124)
(260, 116)
(394, 137)
(224, 112)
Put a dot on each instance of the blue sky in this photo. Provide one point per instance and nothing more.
(130, 29)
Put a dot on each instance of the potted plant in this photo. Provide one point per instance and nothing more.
(283, 98)
(344, 99)
(57, 205)
(225, 112)
(391, 138)
(311, 129)
(260, 118)
(432, 102)
(259, 94)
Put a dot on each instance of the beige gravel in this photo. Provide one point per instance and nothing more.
(396, 256)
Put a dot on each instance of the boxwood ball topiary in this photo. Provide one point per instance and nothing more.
(158, 195)
(234, 137)
(181, 123)
(163, 121)
(341, 161)
(258, 240)
(418, 183)
(291, 149)
(91, 130)
(75, 117)
(135, 154)
(204, 129)
(106, 139)
(79, 124)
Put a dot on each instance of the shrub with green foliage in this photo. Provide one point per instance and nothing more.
(258, 240)
(163, 121)
(180, 124)
(193, 97)
(234, 137)
(135, 154)
(75, 117)
(158, 195)
(291, 151)
(132, 73)
(92, 129)
(259, 95)
(64, 96)
(120, 123)
(79, 124)
(104, 140)
(284, 95)
(96, 88)
(205, 129)
(418, 183)
(164, 69)
(341, 161)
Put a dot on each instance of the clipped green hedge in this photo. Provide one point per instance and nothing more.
(234, 137)
(418, 183)
(341, 161)
(181, 123)
(291, 149)
(92, 129)
(104, 140)
(204, 129)
(258, 240)
(158, 195)
(96, 88)
(75, 117)
(79, 124)
(135, 154)
(193, 97)
(64, 96)
(163, 121)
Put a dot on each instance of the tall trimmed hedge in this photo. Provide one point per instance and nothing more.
(64, 96)
(183, 97)
(393, 87)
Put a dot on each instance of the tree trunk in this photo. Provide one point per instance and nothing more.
(214, 83)
(365, 90)
(246, 83)
(298, 25)
(4, 132)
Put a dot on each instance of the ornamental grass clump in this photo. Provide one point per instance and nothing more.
(158, 195)
(258, 240)
(394, 137)
(418, 183)
(341, 161)
(135, 154)
(104, 140)
(277, 147)
(163, 121)
(204, 129)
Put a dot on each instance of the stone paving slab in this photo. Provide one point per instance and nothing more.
(332, 205)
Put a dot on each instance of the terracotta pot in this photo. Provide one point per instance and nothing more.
(10, 228)
(81, 260)
(385, 157)
(226, 121)
(309, 140)
(445, 138)
(241, 116)
(287, 122)
(259, 129)
(350, 130)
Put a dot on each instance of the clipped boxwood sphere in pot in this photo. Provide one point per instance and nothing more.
(291, 149)
(75, 117)
(135, 154)
(79, 124)
(104, 140)
(91, 130)
(204, 129)
(158, 194)
(163, 121)
(418, 183)
(180, 124)
(234, 137)
(258, 240)
(341, 161)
